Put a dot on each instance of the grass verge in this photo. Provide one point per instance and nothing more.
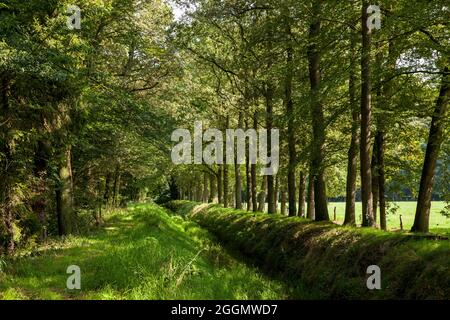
(140, 253)
(330, 260)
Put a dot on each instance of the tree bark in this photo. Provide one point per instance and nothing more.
(283, 201)
(269, 125)
(225, 186)
(318, 121)
(301, 194)
(237, 175)
(116, 186)
(219, 183)
(64, 197)
(262, 195)
(350, 197)
(107, 192)
(289, 105)
(253, 170)
(366, 119)
(39, 204)
(212, 188)
(435, 139)
(375, 177)
(277, 191)
(205, 195)
(248, 178)
(310, 209)
(381, 179)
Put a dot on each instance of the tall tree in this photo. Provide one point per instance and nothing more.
(435, 139)
(318, 122)
(366, 119)
(352, 161)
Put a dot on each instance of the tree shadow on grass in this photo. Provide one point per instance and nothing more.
(147, 256)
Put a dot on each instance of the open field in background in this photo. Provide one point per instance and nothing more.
(407, 209)
(438, 222)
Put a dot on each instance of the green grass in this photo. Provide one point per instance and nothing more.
(141, 253)
(438, 223)
(329, 261)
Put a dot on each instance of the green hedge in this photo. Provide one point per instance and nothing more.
(327, 260)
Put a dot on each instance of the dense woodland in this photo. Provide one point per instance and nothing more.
(86, 115)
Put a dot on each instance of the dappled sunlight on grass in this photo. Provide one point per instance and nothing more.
(140, 253)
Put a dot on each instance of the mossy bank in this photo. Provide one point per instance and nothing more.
(329, 260)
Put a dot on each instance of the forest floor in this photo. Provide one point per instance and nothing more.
(140, 253)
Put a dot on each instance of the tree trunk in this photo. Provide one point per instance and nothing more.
(247, 174)
(116, 186)
(318, 121)
(190, 191)
(283, 201)
(435, 139)
(352, 163)
(212, 188)
(219, 183)
(310, 208)
(277, 191)
(225, 170)
(301, 194)
(253, 170)
(375, 181)
(39, 203)
(262, 195)
(205, 195)
(237, 175)
(269, 124)
(64, 196)
(366, 118)
(290, 125)
(59, 212)
(225, 186)
(107, 192)
(381, 179)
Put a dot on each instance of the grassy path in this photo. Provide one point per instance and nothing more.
(141, 253)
